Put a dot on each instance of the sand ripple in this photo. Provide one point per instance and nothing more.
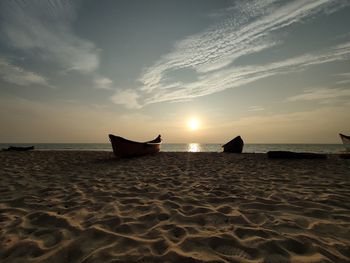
(172, 207)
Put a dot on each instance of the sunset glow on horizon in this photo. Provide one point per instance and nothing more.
(193, 124)
(271, 71)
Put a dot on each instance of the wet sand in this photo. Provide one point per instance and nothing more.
(75, 206)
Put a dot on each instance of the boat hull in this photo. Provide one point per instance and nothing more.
(19, 148)
(346, 141)
(124, 148)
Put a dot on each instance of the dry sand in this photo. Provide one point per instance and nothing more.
(58, 206)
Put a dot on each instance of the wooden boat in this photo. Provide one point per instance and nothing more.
(346, 141)
(19, 148)
(126, 148)
(234, 146)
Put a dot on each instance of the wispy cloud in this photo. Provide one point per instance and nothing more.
(256, 108)
(127, 98)
(19, 76)
(320, 125)
(43, 29)
(344, 81)
(211, 54)
(321, 94)
(103, 82)
(238, 76)
(344, 78)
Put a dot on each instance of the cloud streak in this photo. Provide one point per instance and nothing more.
(103, 83)
(211, 54)
(20, 76)
(345, 78)
(127, 98)
(321, 94)
(43, 28)
(256, 108)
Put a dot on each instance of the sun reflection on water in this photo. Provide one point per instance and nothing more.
(194, 147)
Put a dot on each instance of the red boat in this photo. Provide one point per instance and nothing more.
(126, 148)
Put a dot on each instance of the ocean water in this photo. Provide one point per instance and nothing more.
(190, 147)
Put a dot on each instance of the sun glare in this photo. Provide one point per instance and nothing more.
(193, 124)
(194, 147)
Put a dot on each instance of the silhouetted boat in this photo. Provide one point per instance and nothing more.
(126, 148)
(346, 141)
(234, 146)
(19, 148)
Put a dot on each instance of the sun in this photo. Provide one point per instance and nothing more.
(193, 124)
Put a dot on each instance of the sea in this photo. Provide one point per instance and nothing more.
(189, 147)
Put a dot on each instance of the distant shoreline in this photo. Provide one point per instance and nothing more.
(189, 147)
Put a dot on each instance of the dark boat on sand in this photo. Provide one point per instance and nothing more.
(234, 146)
(19, 148)
(126, 148)
(346, 141)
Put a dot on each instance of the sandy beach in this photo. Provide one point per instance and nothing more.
(75, 206)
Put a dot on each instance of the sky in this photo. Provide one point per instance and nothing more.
(270, 71)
